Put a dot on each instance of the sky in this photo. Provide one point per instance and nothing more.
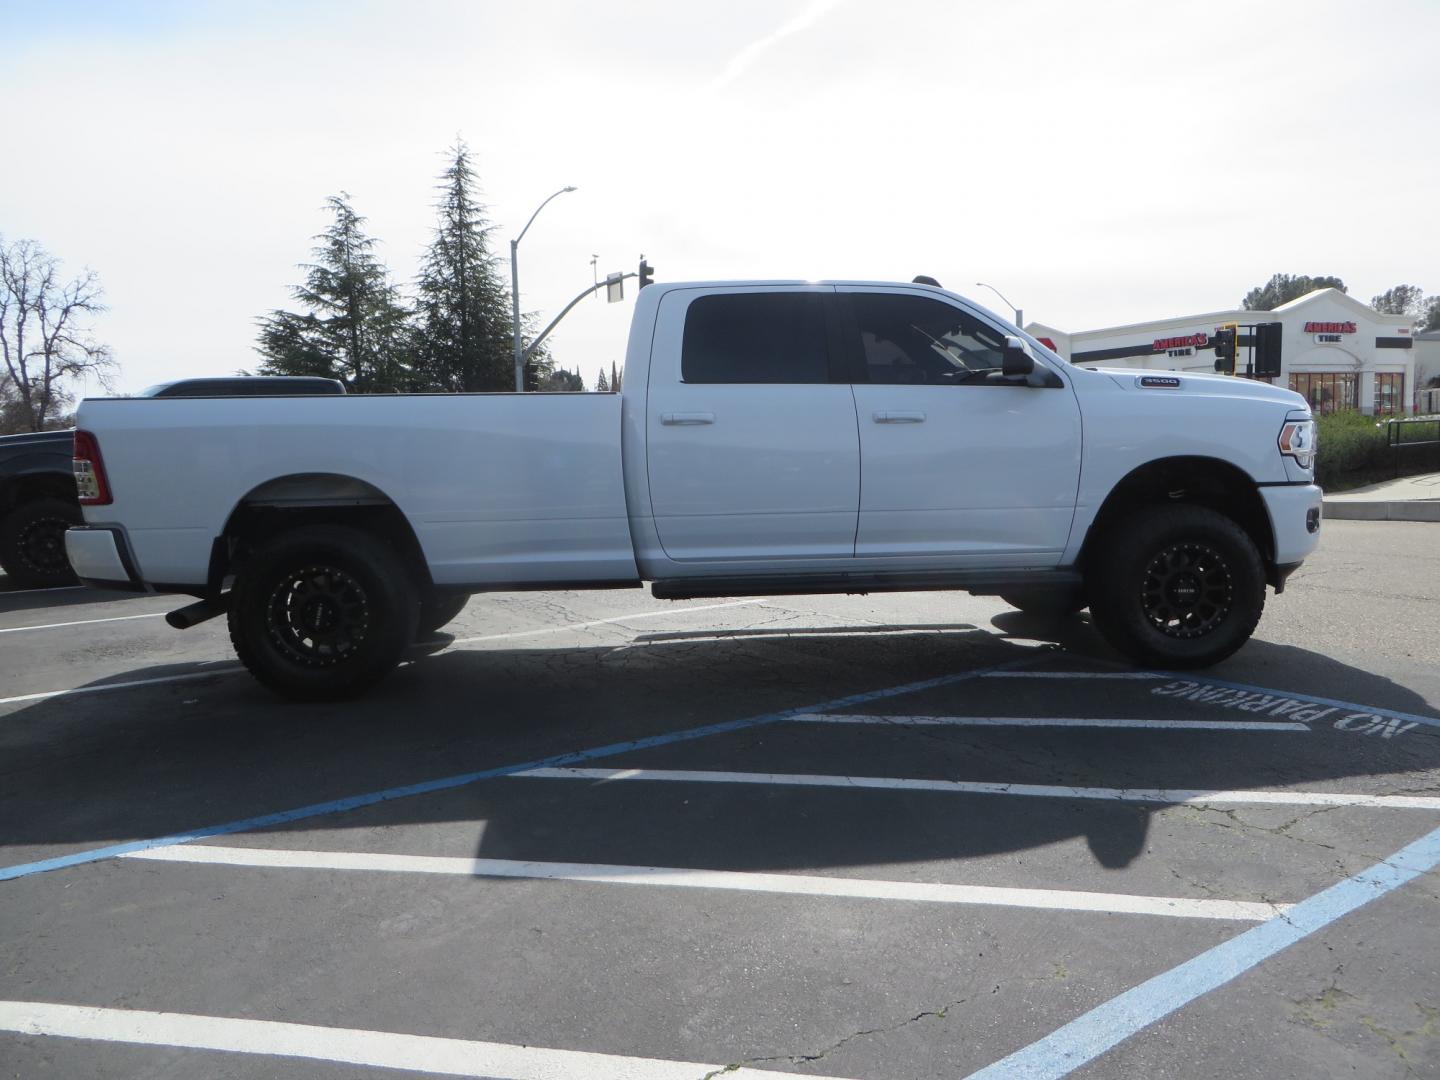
(1099, 163)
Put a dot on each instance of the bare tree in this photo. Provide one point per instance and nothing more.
(45, 337)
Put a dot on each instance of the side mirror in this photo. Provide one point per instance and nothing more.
(1017, 358)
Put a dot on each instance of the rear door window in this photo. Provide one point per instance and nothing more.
(756, 338)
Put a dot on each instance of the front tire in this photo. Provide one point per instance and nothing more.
(438, 609)
(32, 542)
(322, 613)
(1177, 586)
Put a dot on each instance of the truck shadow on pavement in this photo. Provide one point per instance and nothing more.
(93, 769)
(21, 599)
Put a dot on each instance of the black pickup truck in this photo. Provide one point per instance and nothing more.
(37, 487)
(37, 505)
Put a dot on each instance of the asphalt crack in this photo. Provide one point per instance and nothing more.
(818, 1055)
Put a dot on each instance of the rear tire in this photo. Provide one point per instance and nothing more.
(322, 613)
(32, 542)
(1177, 586)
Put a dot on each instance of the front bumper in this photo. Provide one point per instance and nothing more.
(1295, 514)
(101, 558)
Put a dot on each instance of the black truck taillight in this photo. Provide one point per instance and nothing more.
(90, 482)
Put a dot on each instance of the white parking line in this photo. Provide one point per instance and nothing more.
(353, 1046)
(160, 679)
(1173, 796)
(30, 592)
(606, 622)
(1053, 721)
(730, 880)
(81, 622)
(127, 685)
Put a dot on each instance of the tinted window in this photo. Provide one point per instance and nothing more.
(915, 339)
(755, 338)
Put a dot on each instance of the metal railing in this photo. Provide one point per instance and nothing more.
(1411, 432)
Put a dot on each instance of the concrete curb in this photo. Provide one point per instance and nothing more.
(1367, 510)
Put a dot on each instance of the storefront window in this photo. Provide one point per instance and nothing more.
(1327, 391)
(1389, 393)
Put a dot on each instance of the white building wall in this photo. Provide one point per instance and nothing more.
(1427, 370)
(1326, 333)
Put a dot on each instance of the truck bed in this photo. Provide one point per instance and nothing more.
(499, 488)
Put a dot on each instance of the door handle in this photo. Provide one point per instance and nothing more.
(687, 418)
(891, 417)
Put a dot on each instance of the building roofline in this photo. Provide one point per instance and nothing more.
(1243, 315)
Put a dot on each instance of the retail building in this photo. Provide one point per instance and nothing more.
(1336, 351)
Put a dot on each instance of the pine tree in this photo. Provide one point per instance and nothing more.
(355, 326)
(562, 381)
(1282, 288)
(464, 341)
(601, 386)
(614, 377)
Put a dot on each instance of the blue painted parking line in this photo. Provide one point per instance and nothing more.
(1101, 1029)
(447, 783)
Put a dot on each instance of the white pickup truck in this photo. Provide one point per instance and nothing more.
(771, 437)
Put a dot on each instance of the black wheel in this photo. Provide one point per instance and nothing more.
(322, 612)
(439, 608)
(1177, 586)
(1050, 603)
(32, 542)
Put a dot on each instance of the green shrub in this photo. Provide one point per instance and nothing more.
(1351, 448)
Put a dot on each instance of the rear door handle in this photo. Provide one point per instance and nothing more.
(892, 417)
(687, 418)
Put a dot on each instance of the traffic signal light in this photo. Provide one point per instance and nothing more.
(1267, 350)
(532, 377)
(647, 273)
(1225, 348)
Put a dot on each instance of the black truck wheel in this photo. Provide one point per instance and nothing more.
(322, 612)
(439, 608)
(1177, 586)
(32, 542)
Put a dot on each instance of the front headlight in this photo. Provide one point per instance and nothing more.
(1297, 440)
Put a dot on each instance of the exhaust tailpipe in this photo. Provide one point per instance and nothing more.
(196, 613)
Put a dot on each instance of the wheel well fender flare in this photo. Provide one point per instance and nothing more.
(41, 480)
(1205, 481)
(288, 502)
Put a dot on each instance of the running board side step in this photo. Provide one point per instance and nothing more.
(979, 582)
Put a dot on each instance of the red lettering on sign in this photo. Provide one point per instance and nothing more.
(1330, 328)
(1188, 341)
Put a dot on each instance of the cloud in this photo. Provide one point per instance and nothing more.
(812, 14)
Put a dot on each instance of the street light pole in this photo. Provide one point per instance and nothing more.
(1019, 315)
(515, 291)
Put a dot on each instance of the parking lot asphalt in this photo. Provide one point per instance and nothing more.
(595, 835)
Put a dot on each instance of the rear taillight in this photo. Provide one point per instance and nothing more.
(90, 482)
